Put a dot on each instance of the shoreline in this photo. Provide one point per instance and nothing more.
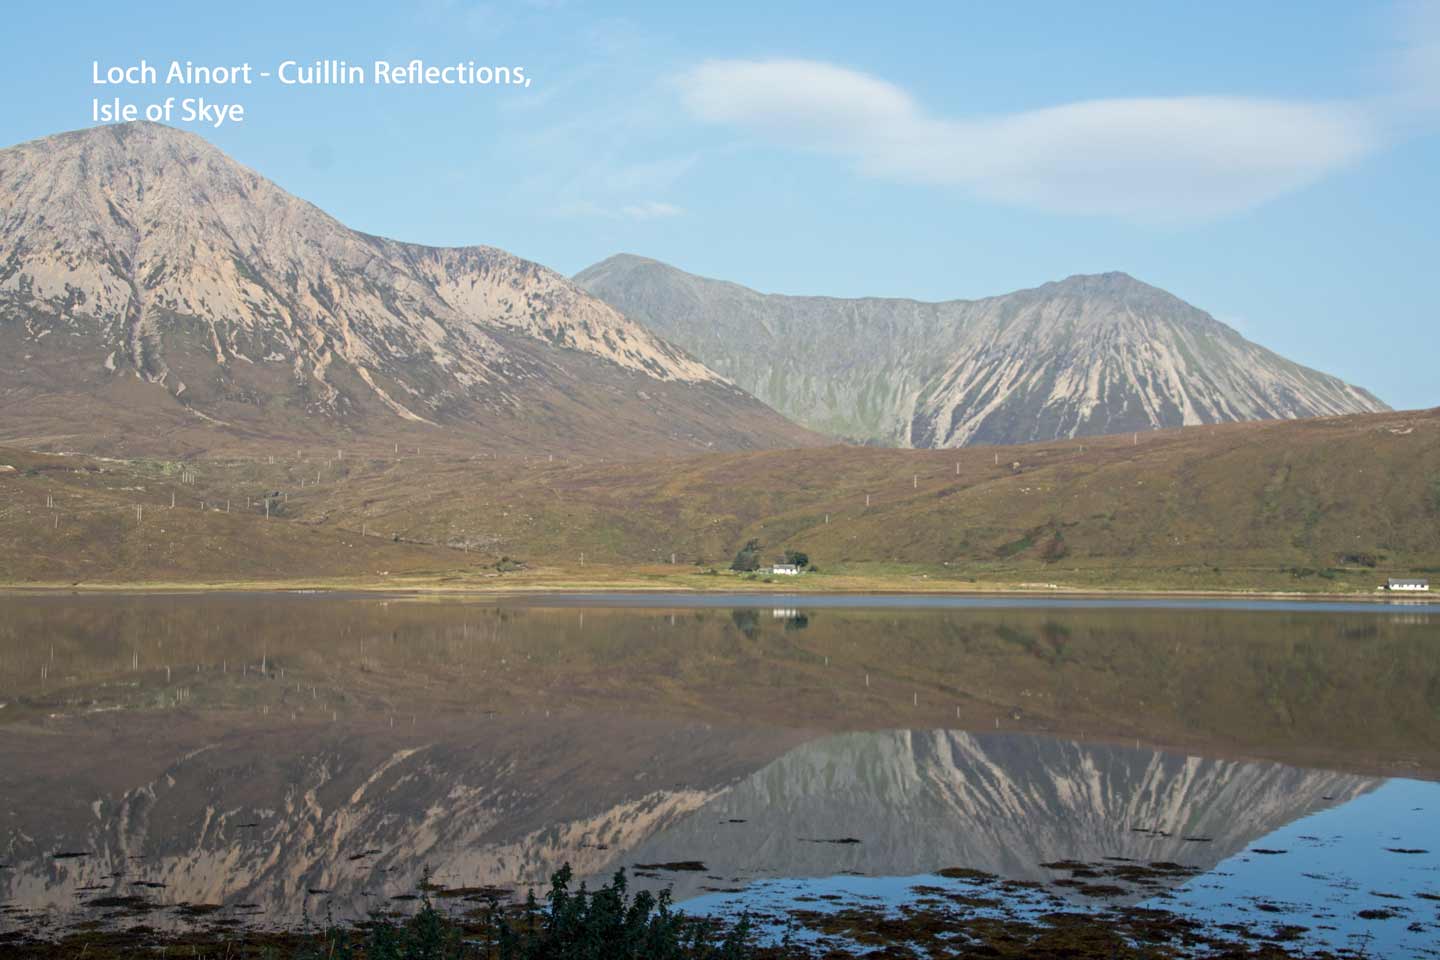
(639, 585)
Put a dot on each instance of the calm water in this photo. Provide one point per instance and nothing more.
(269, 754)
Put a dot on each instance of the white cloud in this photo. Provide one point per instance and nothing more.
(1150, 159)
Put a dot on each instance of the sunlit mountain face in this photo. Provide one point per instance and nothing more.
(155, 295)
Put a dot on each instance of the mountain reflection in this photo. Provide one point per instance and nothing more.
(345, 822)
(921, 801)
(321, 752)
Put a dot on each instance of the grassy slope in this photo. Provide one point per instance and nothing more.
(1271, 506)
(93, 532)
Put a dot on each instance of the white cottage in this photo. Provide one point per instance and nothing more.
(786, 569)
(1408, 585)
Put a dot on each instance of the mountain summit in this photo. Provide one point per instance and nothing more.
(1087, 355)
(155, 293)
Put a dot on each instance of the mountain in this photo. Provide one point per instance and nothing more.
(154, 294)
(1084, 356)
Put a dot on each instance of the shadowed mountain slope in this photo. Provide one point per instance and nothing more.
(1084, 356)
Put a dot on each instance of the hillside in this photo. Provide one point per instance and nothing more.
(157, 297)
(1084, 356)
(1320, 505)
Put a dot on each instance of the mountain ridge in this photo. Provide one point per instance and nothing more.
(1086, 355)
(147, 251)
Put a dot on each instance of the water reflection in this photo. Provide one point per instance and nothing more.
(279, 753)
(909, 802)
(271, 819)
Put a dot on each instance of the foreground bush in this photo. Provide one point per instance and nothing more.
(608, 924)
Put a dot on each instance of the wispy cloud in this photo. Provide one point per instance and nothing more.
(1419, 60)
(651, 210)
(644, 210)
(1148, 159)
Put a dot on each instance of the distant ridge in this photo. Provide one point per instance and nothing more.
(1087, 355)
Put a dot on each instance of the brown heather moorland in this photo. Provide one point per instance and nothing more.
(1319, 506)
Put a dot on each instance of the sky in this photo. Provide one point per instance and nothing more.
(1274, 164)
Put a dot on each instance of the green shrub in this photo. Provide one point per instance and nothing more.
(1055, 549)
(748, 559)
(610, 924)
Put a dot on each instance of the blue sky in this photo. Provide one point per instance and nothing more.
(1274, 164)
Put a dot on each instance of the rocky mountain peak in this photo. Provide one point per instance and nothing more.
(1090, 354)
(149, 254)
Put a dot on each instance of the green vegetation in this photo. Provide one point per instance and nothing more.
(576, 924)
(610, 923)
(747, 560)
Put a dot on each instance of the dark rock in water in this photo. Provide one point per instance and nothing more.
(484, 893)
(132, 903)
(837, 840)
(1407, 850)
(197, 909)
